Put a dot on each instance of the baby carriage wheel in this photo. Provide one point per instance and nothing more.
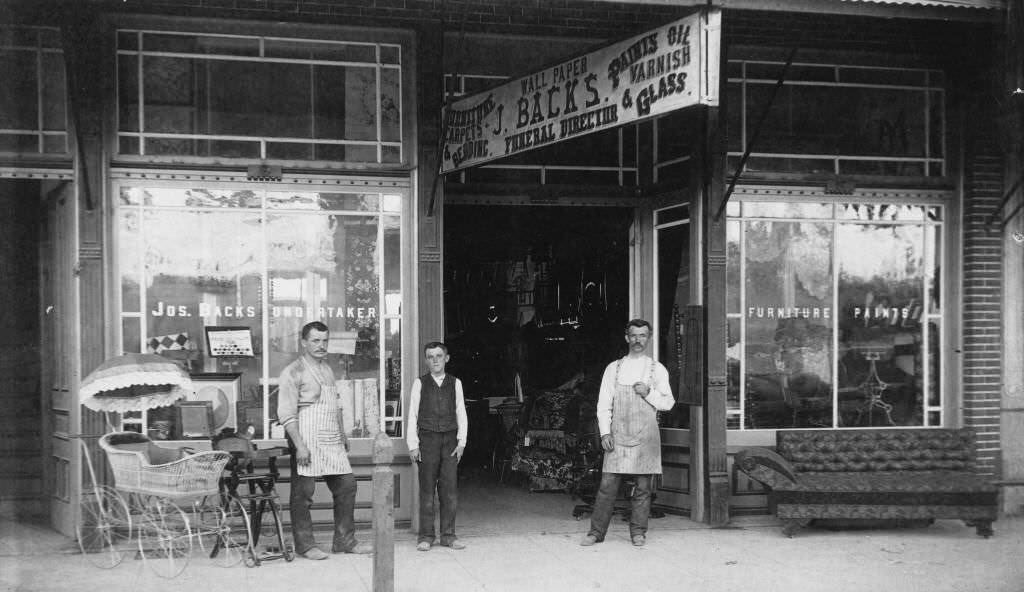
(232, 529)
(165, 538)
(105, 527)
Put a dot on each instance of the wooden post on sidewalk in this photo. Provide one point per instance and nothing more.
(383, 515)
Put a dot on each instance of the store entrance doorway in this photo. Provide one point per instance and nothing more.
(535, 298)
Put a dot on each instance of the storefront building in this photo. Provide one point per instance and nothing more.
(214, 178)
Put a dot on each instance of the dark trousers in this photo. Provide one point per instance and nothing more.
(438, 470)
(604, 505)
(343, 490)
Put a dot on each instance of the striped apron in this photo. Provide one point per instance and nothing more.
(319, 426)
(634, 429)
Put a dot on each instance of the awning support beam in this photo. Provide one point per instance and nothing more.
(1002, 203)
(757, 130)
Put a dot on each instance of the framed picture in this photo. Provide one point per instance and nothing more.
(194, 421)
(229, 342)
(220, 390)
(250, 413)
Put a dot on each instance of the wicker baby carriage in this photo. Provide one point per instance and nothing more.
(142, 467)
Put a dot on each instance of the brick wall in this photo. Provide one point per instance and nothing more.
(982, 290)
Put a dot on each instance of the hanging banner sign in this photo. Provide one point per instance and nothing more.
(669, 68)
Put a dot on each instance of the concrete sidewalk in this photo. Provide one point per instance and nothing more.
(751, 554)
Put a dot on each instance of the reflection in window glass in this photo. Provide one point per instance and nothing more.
(312, 200)
(881, 286)
(191, 263)
(673, 297)
(756, 209)
(847, 293)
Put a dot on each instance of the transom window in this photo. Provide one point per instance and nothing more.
(237, 96)
(33, 109)
(839, 119)
(834, 315)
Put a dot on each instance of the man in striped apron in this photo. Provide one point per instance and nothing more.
(633, 390)
(307, 407)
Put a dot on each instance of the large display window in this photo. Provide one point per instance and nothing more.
(834, 315)
(223, 278)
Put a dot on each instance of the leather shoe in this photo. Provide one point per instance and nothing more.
(423, 546)
(455, 544)
(639, 540)
(589, 541)
(315, 554)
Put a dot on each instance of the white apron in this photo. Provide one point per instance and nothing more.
(634, 429)
(320, 430)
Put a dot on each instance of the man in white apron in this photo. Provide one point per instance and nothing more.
(633, 390)
(307, 407)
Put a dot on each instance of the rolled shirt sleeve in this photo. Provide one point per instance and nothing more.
(460, 414)
(604, 400)
(412, 437)
(660, 396)
(288, 395)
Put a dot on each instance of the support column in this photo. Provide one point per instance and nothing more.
(1011, 429)
(714, 241)
(88, 57)
(429, 202)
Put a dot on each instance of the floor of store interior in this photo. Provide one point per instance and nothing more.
(488, 506)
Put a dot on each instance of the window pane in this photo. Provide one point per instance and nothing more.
(312, 200)
(128, 93)
(275, 102)
(390, 105)
(321, 51)
(755, 209)
(54, 117)
(881, 279)
(673, 296)
(880, 212)
(392, 265)
(326, 268)
(346, 103)
(393, 374)
(129, 263)
(202, 269)
(18, 101)
(130, 342)
(205, 44)
(732, 362)
(732, 267)
(789, 324)
(390, 54)
(210, 198)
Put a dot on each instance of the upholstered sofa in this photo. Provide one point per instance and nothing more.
(865, 475)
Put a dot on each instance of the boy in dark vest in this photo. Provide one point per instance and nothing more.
(437, 439)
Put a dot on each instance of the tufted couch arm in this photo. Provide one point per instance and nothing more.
(766, 467)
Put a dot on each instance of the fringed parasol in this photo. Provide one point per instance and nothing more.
(135, 382)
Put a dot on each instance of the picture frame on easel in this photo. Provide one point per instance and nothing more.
(194, 420)
(221, 390)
